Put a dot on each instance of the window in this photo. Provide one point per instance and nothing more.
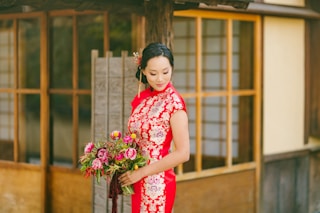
(19, 89)
(6, 83)
(45, 97)
(217, 72)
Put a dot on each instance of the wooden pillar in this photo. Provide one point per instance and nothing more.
(159, 15)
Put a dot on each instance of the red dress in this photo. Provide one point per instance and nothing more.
(150, 120)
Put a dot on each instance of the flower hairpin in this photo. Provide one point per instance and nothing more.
(137, 59)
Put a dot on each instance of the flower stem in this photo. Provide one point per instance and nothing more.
(127, 190)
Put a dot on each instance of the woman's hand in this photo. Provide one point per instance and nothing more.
(130, 177)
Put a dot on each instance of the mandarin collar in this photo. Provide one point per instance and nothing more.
(155, 92)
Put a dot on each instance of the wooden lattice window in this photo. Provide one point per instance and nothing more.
(217, 71)
(6, 83)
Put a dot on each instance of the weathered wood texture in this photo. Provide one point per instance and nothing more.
(314, 186)
(68, 192)
(313, 86)
(20, 189)
(228, 193)
(114, 87)
(159, 22)
(285, 183)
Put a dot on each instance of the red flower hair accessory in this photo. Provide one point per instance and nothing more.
(137, 58)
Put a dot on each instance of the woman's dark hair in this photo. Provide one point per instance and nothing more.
(149, 52)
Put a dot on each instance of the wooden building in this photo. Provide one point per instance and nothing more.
(248, 70)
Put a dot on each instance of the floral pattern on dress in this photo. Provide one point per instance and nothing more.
(150, 120)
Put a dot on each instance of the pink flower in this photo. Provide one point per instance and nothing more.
(119, 156)
(97, 164)
(115, 135)
(88, 148)
(103, 155)
(127, 139)
(130, 153)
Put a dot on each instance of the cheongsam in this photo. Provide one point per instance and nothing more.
(150, 120)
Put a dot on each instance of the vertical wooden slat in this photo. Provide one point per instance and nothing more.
(75, 96)
(229, 94)
(94, 56)
(108, 55)
(124, 55)
(257, 108)
(314, 95)
(99, 120)
(15, 94)
(198, 160)
(307, 87)
(44, 111)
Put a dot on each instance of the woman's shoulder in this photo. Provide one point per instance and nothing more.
(140, 97)
(173, 92)
(176, 98)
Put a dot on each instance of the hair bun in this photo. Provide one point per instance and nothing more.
(143, 77)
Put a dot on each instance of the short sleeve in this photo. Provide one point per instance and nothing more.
(178, 103)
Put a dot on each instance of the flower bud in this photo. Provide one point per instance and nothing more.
(115, 135)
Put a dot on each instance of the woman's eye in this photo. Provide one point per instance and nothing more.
(152, 74)
(165, 73)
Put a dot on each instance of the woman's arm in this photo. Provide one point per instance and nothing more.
(181, 153)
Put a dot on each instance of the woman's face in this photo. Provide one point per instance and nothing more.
(158, 72)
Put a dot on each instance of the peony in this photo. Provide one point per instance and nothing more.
(107, 158)
(119, 156)
(130, 153)
(97, 164)
(88, 148)
(103, 155)
(127, 139)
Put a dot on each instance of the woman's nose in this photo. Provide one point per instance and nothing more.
(160, 77)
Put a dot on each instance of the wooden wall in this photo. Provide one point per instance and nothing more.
(20, 190)
(18, 184)
(285, 183)
(114, 86)
(228, 193)
(314, 186)
(69, 192)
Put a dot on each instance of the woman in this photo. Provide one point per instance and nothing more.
(158, 118)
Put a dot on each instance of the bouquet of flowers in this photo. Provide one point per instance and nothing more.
(110, 158)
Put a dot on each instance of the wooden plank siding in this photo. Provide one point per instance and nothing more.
(114, 86)
(285, 183)
(14, 178)
(226, 193)
(20, 190)
(314, 179)
(68, 192)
